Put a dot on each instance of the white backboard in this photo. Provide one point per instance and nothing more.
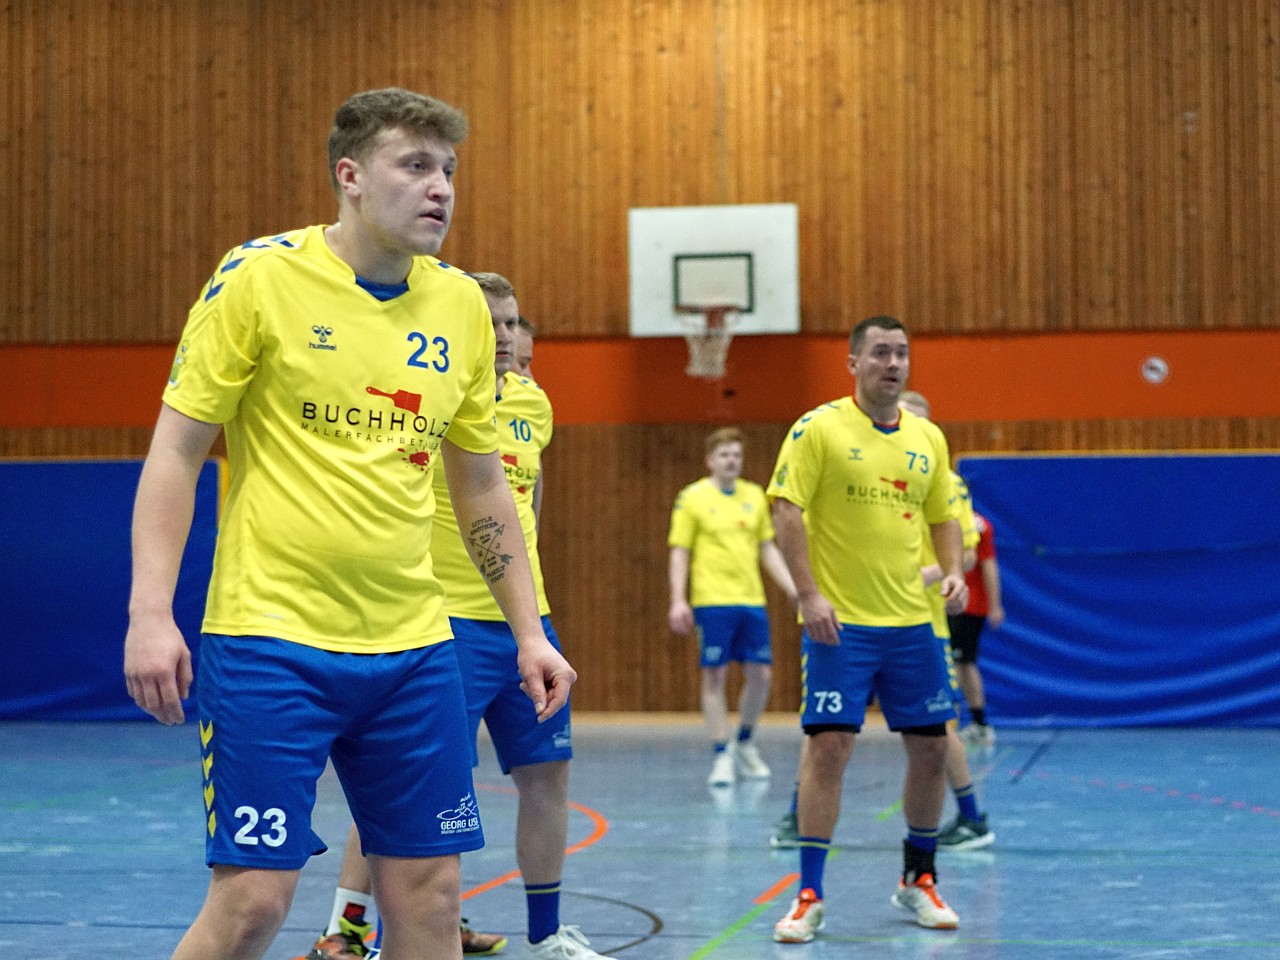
(746, 255)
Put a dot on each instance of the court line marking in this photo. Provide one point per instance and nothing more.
(1035, 755)
(600, 828)
(728, 933)
(889, 811)
(759, 905)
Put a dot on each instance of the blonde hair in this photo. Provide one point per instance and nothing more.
(363, 116)
(494, 284)
(722, 436)
(914, 399)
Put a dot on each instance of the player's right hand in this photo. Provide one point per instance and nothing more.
(546, 678)
(157, 669)
(680, 617)
(819, 618)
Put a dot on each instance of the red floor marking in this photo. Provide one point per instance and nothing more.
(776, 889)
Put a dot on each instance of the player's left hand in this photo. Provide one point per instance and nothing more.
(545, 677)
(956, 592)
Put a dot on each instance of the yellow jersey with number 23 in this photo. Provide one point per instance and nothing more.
(335, 397)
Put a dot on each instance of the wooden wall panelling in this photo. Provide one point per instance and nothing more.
(23, 108)
(1252, 213)
(53, 442)
(974, 166)
(875, 276)
(578, 113)
(1102, 118)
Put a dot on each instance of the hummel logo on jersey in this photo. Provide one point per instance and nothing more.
(322, 335)
(855, 453)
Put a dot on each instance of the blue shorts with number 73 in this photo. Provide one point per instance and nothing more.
(903, 666)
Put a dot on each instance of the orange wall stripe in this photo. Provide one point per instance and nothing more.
(770, 379)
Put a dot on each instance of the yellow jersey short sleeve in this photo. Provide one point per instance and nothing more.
(525, 424)
(969, 534)
(335, 404)
(722, 532)
(929, 556)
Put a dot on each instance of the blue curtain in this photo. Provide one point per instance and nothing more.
(1140, 590)
(65, 567)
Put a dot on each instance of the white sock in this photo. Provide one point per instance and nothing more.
(340, 901)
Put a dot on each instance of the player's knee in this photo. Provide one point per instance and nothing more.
(254, 915)
(829, 751)
(927, 750)
(419, 887)
(542, 784)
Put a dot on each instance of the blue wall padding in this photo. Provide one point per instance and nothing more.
(65, 566)
(1140, 590)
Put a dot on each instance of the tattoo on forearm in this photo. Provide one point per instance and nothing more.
(485, 544)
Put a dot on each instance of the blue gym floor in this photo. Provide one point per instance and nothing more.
(1132, 843)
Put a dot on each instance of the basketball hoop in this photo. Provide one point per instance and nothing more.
(709, 336)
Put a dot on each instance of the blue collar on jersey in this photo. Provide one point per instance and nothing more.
(882, 427)
(382, 291)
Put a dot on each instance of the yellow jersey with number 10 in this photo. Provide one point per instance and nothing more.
(525, 425)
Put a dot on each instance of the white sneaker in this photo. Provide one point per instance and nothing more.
(922, 899)
(979, 735)
(567, 943)
(721, 774)
(750, 766)
(803, 921)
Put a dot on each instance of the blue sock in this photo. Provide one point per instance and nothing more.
(720, 746)
(744, 734)
(795, 798)
(922, 839)
(543, 900)
(813, 861)
(967, 799)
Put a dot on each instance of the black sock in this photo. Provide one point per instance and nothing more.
(916, 862)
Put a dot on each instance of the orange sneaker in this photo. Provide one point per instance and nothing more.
(803, 921)
(922, 899)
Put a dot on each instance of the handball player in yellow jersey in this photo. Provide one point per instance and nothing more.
(852, 479)
(347, 366)
(969, 830)
(719, 538)
(535, 754)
